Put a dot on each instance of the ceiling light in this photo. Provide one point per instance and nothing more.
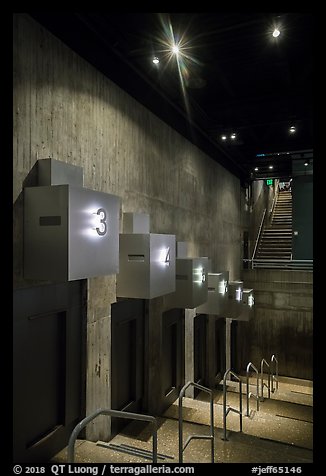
(256, 169)
(175, 49)
(292, 129)
(276, 32)
(223, 137)
(270, 167)
(155, 60)
(306, 162)
(233, 136)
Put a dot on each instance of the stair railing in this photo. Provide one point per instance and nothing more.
(258, 237)
(117, 414)
(274, 375)
(231, 409)
(251, 394)
(263, 384)
(197, 437)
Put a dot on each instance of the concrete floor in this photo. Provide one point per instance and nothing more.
(281, 432)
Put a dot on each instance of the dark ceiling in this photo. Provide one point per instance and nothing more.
(232, 76)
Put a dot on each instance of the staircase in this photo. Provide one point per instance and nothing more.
(276, 239)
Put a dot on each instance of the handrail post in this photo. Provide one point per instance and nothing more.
(257, 387)
(211, 436)
(263, 361)
(117, 414)
(273, 358)
(180, 430)
(240, 387)
(225, 412)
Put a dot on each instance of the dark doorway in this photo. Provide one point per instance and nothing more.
(200, 350)
(127, 359)
(235, 348)
(219, 361)
(49, 337)
(172, 355)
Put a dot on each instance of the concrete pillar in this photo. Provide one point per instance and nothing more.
(210, 352)
(228, 323)
(190, 315)
(153, 384)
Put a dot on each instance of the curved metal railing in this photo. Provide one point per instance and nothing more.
(231, 409)
(263, 384)
(250, 394)
(117, 414)
(274, 376)
(193, 437)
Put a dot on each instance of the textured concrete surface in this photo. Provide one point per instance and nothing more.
(282, 322)
(65, 109)
(240, 448)
(281, 432)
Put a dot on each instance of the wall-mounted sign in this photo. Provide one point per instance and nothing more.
(70, 233)
(235, 291)
(217, 297)
(147, 265)
(269, 181)
(191, 283)
(247, 307)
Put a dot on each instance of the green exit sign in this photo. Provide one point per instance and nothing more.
(269, 181)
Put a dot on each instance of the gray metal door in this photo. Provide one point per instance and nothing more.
(49, 335)
(127, 358)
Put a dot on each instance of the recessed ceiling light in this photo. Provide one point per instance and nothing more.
(223, 137)
(292, 129)
(276, 32)
(155, 60)
(270, 167)
(233, 136)
(256, 169)
(175, 49)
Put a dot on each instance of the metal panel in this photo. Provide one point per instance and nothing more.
(217, 297)
(135, 223)
(55, 172)
(191, 283)
(247, 305)
(70, 233)
(234, 309)
(147, 265)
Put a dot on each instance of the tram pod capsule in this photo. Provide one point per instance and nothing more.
(70, 233)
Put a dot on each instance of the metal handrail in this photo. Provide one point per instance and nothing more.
(250, 394)
(231, 409)
(282, 263)
(117, 414)
(274, 359)
(262, 379)
(274, 199)
(258, 234)
(193, 437)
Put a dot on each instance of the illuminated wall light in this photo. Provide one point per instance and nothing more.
(164, 256)
(201, 275)
(222, 288)
(276, 33)
(238, 294)
(155, 60)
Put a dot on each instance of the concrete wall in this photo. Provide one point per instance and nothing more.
(283, 321)
(302, 204)
(65, 109)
